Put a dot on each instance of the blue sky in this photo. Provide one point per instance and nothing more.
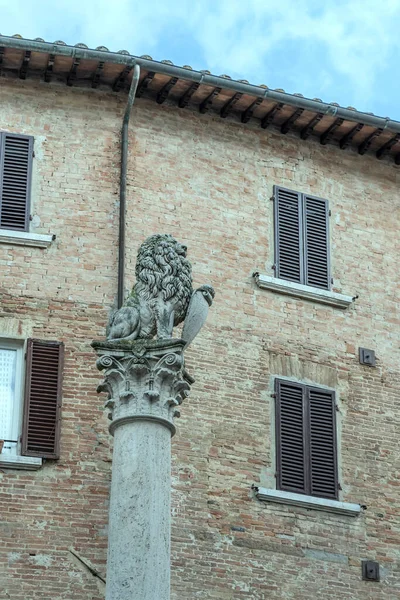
(344, 51)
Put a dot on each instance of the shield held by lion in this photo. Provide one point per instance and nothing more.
(162, 296)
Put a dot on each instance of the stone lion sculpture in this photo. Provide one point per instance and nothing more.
(161, 295)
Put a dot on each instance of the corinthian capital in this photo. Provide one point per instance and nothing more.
(144, 380)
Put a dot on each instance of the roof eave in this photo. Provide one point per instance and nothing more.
(166, 68)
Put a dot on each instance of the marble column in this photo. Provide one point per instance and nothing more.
(146, 382)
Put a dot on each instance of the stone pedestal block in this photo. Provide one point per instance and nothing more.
(146, 382)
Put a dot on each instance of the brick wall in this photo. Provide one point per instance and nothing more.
(209, 183)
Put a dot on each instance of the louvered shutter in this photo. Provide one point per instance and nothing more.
(322, 440)
(291, 449)
(306, 448)
(316, 242)
(288, 235)
(42, 410)
(16, 153)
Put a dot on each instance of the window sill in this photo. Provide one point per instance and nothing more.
(28, 463)
(281, 286)
(309, 502)
(25, 238)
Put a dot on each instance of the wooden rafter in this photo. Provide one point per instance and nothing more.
(328, 134)
(285, 127)
(228, 106)
(185, 98)
(388, 146)
(165, 90)
(309, 128)
(206, 104)
(144, 84)
(269, 117)
(347, 139)
(364, 146)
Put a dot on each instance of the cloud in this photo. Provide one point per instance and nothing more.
(343, 50)
(351, 39)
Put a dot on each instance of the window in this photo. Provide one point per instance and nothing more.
(301, 238)
(30, 417)
(10, 394)
(306, 440)
(16, 152)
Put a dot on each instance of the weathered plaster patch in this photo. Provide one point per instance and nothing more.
(327, 556)
(11, 327)
(42, 560)
(13, 557)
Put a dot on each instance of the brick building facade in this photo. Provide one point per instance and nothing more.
(209, 182)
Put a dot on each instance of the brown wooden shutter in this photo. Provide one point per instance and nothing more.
(291, 449)
(316, 242)
(323, 448)
(306, 448)
(288, 235)
(42, 410)
(16, 153)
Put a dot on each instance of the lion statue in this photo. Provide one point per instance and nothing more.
(161, 295)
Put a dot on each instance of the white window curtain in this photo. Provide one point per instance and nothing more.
(10, 398)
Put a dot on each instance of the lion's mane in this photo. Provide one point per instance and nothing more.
(162, 268)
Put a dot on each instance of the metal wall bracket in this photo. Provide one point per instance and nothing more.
(367, 357)
(370, 570)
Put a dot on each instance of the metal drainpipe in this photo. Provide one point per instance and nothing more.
(122, 189)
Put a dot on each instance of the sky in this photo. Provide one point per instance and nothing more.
(345, 51)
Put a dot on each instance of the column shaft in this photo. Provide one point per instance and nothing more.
(138, 563)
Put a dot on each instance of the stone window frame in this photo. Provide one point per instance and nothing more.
(27, 238)
(269, 281)
(268, 492)
(299, 204)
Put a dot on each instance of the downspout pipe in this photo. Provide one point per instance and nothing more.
(196, 76)
(122, 188)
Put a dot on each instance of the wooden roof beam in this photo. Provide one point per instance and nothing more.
(328, 134)
(120, 81)
(388, 146)
(185, 98)
(269, 117)
(346, 139)
(285, 127)
(227, 108)
(72, 74)
(25, 64)
(97, 74)
(164, 92)
(206, 104)
(144, 84)
(308, 129)
(49, 69)
(363, 147)
(248, 113)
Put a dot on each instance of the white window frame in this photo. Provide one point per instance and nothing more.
(12, 458)
(16, 420)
